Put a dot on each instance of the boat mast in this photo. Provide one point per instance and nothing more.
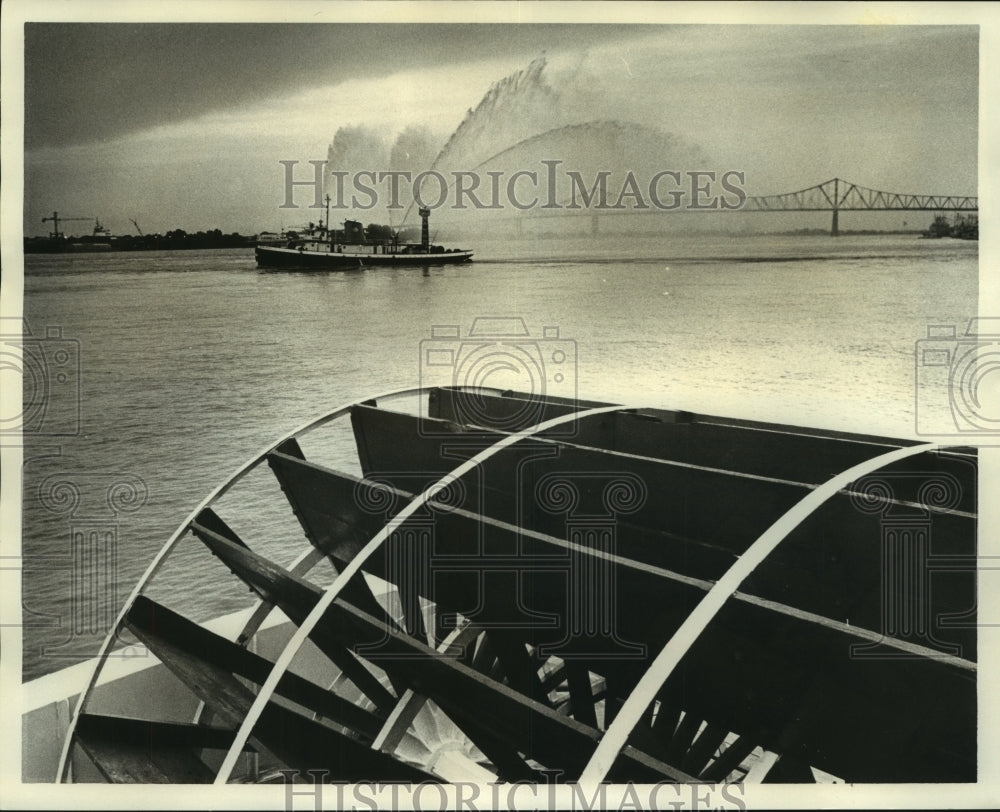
(327, 224)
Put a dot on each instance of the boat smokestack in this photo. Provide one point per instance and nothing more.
(425, 237)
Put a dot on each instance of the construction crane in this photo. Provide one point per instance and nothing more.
(137, 227)
(56, 219)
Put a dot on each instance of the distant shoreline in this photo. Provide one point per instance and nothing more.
(202, 241)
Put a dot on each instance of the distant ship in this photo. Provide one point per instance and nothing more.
(323, 249)
(57, 242)
(964, 228)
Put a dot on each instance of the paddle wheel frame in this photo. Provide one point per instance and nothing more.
(521, 587)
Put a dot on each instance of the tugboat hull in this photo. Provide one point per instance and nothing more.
(324, 260)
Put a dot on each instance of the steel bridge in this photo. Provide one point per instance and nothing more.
(834, 195)
(837, 195)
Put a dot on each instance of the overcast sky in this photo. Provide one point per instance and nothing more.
(182, 126)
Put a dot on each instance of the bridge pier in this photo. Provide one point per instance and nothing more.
(835, 228)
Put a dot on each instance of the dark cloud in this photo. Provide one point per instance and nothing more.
(889, 107)
(87, 82)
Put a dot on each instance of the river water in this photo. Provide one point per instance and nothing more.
(191, 362)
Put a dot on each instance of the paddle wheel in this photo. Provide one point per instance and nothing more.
(493, 586)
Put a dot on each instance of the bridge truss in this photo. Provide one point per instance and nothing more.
(837, 195)
(834, 195)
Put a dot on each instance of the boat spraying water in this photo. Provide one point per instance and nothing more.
(348, 249)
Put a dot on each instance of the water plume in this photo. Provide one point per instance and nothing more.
(523, 120)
